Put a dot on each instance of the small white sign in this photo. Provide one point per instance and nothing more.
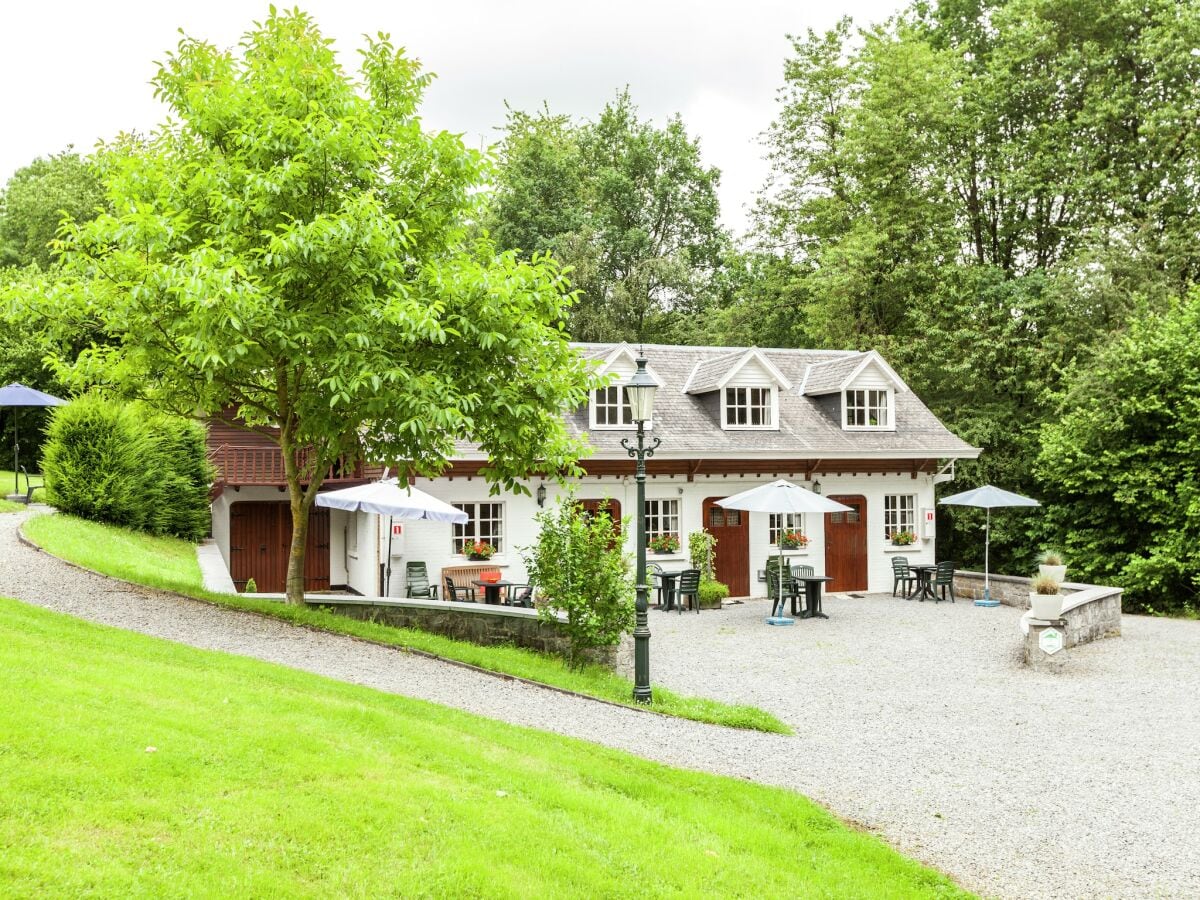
(1051, 641)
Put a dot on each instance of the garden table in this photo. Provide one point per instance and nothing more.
(667, 580)
(812, 596)
(491, 589)
(924, 587)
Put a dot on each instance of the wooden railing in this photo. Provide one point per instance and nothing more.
(264, 465)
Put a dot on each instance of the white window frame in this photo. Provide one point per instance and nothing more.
(474, 528)
(896, 517)
(889, 408)
(609, 404)
(771, 408)
(780, 522)
(658, 518)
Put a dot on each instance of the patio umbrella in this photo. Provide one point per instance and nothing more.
(987, 497)
(781, 497)
(16, 396)
(387, 498)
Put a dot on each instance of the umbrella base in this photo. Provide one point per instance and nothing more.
(780, 620)
(987, 603)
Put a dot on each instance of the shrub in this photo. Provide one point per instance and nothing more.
(582, 572)
(116, 464)
(713, 592)
(1050, 558)
(701, 547)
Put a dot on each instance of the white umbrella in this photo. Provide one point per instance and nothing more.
(987, 497)
(387, 498)
(782, 497)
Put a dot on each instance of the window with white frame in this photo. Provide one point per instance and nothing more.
(610, 407)
(486, 523)
(748, 407)
(899, 513)
(784, 522)
(868, 409)
(662, 517)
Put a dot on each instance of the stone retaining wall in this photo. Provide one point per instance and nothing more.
(478, 623)
(1090, 611)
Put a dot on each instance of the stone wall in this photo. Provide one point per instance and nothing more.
(475, 622)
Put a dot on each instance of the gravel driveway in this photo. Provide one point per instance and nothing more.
(913, 720)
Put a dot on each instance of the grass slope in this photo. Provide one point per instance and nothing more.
(264, 781)
(170, 564)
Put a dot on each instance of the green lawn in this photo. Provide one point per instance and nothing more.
(133, 766)
(171, 564)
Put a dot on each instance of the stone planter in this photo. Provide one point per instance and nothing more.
(1058, 573)
(1047, 607)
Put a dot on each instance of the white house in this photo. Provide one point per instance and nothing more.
(840, 423)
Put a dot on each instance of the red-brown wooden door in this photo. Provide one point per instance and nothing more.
(846, 546)
(260, 535)
(731, 528)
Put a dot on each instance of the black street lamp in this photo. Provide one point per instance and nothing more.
(640, 392)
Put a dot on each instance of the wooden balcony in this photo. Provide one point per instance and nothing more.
(264, 466)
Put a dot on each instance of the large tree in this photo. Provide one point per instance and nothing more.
(290, 247)
(629, 205)
(35, 201)
(985, 190)
(1121, 466)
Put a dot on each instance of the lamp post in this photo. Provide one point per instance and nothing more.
(640, 391)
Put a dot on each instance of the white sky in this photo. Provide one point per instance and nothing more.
(74, 72)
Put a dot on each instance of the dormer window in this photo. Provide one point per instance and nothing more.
(610, 407)
(749, 407)
(868, 409)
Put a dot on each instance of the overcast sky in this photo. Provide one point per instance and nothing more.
(74, 72)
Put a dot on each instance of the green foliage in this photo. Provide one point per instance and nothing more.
(114, 463)
(291, 248)
(712, 592)
(581, 571)
(1050, 558)
(663, 543)
(702, 547)
(38, 198)
(984, 192)
(1120, 470)
(628, 205)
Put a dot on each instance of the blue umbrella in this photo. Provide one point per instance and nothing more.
(987, 497)
(18, 395)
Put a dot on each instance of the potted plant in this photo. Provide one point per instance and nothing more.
(1045, 600)
(793, 540)
(712, 593)
(1052, 565)
(478, 550)
(903, 538)
(664, 543)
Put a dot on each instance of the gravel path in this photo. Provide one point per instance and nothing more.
(914, 720)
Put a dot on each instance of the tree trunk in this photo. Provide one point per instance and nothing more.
(295, 567)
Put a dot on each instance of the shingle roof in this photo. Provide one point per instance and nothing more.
(690, 428)
(829, 376)
(707, 375)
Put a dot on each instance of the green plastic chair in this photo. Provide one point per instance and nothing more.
(902, 575)
(944, 578)
(791, 591)
(689, 586)
(416, 577)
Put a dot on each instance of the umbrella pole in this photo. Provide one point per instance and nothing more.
(16, 455)
(987, 553)
(387, 589)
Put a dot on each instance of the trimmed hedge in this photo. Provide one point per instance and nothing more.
(125, 466)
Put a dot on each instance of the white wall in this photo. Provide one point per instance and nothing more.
(431, 542)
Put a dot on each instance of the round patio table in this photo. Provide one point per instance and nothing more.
(924, 586)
